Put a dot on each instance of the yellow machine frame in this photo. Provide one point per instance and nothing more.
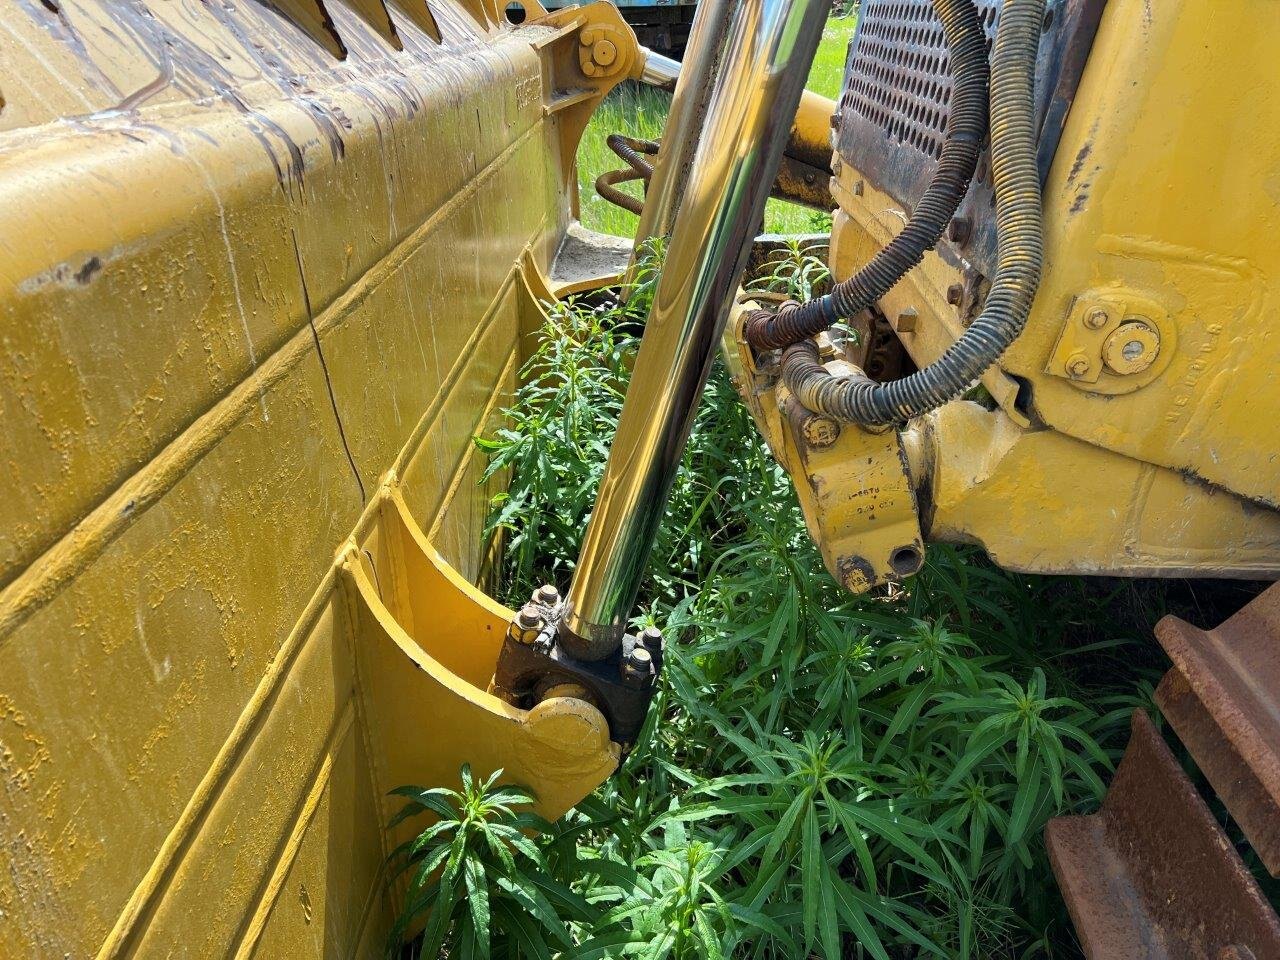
(1159, 218)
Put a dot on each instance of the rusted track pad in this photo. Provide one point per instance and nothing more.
(1151, 876)
(1221, 697)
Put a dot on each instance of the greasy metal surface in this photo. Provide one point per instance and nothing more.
(767, 52)
(1151, 876)
(1221, 698)
(893, 113)
(529, 669)
(244, 282)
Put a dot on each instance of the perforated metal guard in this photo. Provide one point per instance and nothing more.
(897, 94)
(899, 70)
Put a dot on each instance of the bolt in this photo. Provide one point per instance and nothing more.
(906, 322)
(547, 595)
(1096, 319)
(1078, 366)
(835, 121)
(527, 625)
(955, 294)
(959, 230)
(651, 638)
(858, 187)
(636, 667)
(1132, 348)
(820, 431)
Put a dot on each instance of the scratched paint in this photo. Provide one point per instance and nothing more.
(254, 280)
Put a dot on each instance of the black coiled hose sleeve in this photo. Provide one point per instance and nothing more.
(1020, 257)
(966, 128)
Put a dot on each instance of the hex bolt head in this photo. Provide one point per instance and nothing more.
(820, 432)
(527, 625)
(1078, 365)
(651, 638)
(959, 230)
(547, 595)
(637, 666)
(1095, 319)
(955, 294)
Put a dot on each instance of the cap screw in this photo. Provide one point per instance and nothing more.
(547, 595)
(959, 230)
(637, 667)
(1095, 319)
(527, 625)
(651, 638)
(1078, 366)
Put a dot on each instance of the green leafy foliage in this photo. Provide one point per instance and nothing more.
(821, 775)
(480, 879)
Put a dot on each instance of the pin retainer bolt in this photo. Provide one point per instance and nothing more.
(527, 625)
(637, 666)
(651, 638)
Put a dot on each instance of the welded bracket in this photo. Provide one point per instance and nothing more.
(856, 493)
(855, 486)
(427, 643)
(591, 51)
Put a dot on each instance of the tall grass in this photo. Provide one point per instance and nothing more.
(640, 111)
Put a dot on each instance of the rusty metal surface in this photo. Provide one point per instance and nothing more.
(1151, 876)
(1220, 697)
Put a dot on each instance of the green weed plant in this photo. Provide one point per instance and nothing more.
(821, 775)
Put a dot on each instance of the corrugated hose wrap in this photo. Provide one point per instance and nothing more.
(966, 129)
(1020, 256)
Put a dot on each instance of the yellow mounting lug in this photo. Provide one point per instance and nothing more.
(426, 644)
(855, 488)
(591, 51)
(856, 493)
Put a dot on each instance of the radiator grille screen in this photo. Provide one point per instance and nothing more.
(899, 71)
(892, 116)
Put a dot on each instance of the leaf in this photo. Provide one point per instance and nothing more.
(811, 867)
(438, 921)
(478, 903)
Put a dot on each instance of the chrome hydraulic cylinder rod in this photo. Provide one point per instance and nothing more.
(694, 83)
(766, 58)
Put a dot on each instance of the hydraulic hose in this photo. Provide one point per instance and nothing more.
(630, 150)
(966, 128)
(1020, 255)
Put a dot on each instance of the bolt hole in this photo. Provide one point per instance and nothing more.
(516, 14)
(905, 560)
